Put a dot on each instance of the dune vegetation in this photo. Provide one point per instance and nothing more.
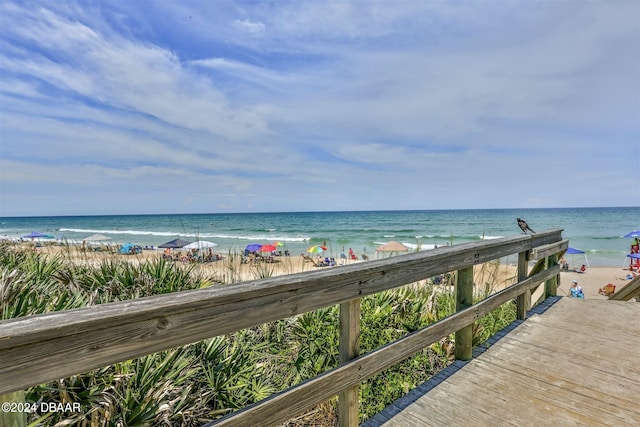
(203, 381)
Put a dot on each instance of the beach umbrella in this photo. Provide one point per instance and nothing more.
(392, 247)
(37, 235)
(200, 244)
(278, 244)
(316, 249)
(267, 248)
(634, 249)
(253, 247)
(574, 251)
(174, 244)
(634, 262)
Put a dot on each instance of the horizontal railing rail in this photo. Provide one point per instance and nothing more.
(46, 347)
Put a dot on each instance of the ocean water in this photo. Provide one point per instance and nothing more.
(597, 231)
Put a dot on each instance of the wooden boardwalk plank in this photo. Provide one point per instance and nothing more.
(459, 407)
(584, 403)
(576, 364)
(565, 373)
(576, 312)
(600, 352)
(533, 401)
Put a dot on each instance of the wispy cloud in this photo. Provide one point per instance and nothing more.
(318, 105)
(253, 28)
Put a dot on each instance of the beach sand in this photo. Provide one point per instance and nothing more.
(592, 280)
(230, 270)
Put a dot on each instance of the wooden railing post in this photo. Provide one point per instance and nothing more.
(12, 418)
(523, 301)
(348, 405)
(551, 285)
(464, 299)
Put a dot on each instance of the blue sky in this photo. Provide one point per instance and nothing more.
(110, 107)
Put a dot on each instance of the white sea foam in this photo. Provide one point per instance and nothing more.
(601, 240)
(254, 237)
(423, 246)
(127, 232)
(251, 237)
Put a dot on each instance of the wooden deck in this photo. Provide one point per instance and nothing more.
(577, 363)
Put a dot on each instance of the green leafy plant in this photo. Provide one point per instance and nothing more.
(194, 384)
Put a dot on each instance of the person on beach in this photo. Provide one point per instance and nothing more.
(576, 290)
(564, 264)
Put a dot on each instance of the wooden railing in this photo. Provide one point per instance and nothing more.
(42, 348)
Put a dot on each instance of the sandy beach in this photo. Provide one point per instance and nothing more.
(231, 270)
(593, 279)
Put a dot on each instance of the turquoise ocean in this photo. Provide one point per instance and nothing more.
(596, 231)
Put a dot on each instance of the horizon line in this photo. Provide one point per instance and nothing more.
(314, 211)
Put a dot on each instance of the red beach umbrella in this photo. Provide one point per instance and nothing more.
(267, 248)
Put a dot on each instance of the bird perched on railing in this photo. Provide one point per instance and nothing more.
(524, 226)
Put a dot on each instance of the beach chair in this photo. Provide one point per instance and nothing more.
(311, 260)
(607, 290)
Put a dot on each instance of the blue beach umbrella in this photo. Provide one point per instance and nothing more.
(37, 235)
(574, 251)
(634, 247)
(174, 244)
(634, 233)
(253, 247)
(631, 261)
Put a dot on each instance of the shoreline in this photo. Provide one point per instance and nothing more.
(231, 270)
(598, 232)
(596, 257)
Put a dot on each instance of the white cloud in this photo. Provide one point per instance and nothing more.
(253, 28)
(375, 104)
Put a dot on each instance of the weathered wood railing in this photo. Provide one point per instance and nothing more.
(42, 348)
